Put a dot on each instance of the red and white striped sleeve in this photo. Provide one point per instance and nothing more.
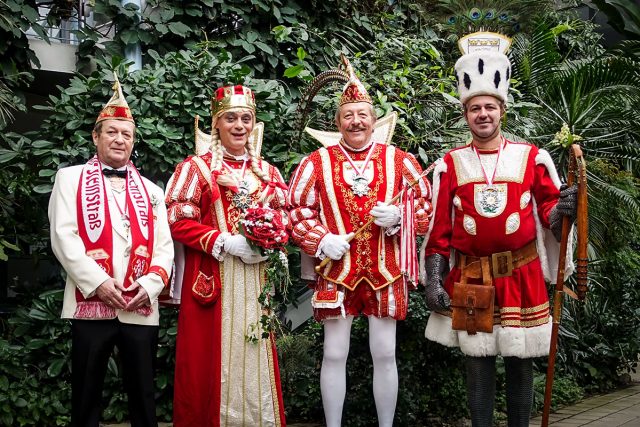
(304, 208)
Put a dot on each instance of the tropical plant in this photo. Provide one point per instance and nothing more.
(600, 338)
(593, 99)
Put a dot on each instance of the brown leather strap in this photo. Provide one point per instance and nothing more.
(500, 264)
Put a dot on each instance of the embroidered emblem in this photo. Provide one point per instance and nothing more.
(469, 225)
(525, 199)
(490, 201)
(203, 285)
(513, 223)
(457, 202)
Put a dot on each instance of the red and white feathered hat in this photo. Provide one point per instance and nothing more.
(484, 68)
(117, 108)
(354, 90)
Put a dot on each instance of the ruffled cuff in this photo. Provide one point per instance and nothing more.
(218, 247)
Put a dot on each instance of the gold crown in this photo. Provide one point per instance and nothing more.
(229, 97)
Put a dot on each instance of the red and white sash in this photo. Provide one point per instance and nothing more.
(96, 232)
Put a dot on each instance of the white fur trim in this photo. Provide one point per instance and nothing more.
(480, 344)
(439, 330)
(479, 70)
(544, 158)
(525, 342)
(518, 342)
(441, 167)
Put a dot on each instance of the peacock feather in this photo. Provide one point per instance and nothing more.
(506, 17)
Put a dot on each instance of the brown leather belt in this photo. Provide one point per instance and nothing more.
(501, 264)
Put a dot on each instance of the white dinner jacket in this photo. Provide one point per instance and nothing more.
(82, 271)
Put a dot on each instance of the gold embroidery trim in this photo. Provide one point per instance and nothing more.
(526, 323)
(363, 249)
(529, 310)
(205, 239)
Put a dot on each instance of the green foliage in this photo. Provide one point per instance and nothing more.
(623, 16)
(561, 75)
(566, 391)
(600, 339)
(16, 17)
(262, 29)
(35, 367)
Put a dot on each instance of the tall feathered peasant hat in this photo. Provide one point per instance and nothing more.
(483, 68)
(117, 107)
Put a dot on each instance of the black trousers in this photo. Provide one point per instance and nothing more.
(91, 345)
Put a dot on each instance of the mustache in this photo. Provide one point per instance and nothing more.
(356, 128)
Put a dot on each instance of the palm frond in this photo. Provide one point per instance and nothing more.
(6, 105)
(625, 199)
(535, 58)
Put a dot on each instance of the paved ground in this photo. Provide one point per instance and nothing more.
(618, 409)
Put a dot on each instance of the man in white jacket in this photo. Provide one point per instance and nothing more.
(109, 231)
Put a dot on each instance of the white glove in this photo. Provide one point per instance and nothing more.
(254, 258)
(237, 245)
(385, 215)
(335, 245)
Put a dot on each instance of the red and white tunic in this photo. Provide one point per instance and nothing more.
(221, 378)
(322, 201)
(479, 223)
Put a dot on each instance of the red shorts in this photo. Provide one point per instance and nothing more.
(390, 301)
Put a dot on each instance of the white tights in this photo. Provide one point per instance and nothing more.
(382, 344)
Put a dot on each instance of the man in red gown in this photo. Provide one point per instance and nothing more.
(221, 376)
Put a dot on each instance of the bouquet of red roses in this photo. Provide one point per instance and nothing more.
(263, 227)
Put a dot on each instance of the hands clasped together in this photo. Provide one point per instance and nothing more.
(110, 292)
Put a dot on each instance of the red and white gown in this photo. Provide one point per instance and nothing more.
(221, 378)
(478, 223)
(322, 201)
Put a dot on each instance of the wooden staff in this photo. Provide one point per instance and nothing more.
(576, 164)
(368, 223)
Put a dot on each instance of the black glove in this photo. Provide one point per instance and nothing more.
(567, 206)
(437, 266)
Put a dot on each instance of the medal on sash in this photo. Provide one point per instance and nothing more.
(490, 198)
(359, 183)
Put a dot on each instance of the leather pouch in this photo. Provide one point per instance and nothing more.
(472, 308)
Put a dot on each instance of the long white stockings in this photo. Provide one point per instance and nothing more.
(382, 344)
